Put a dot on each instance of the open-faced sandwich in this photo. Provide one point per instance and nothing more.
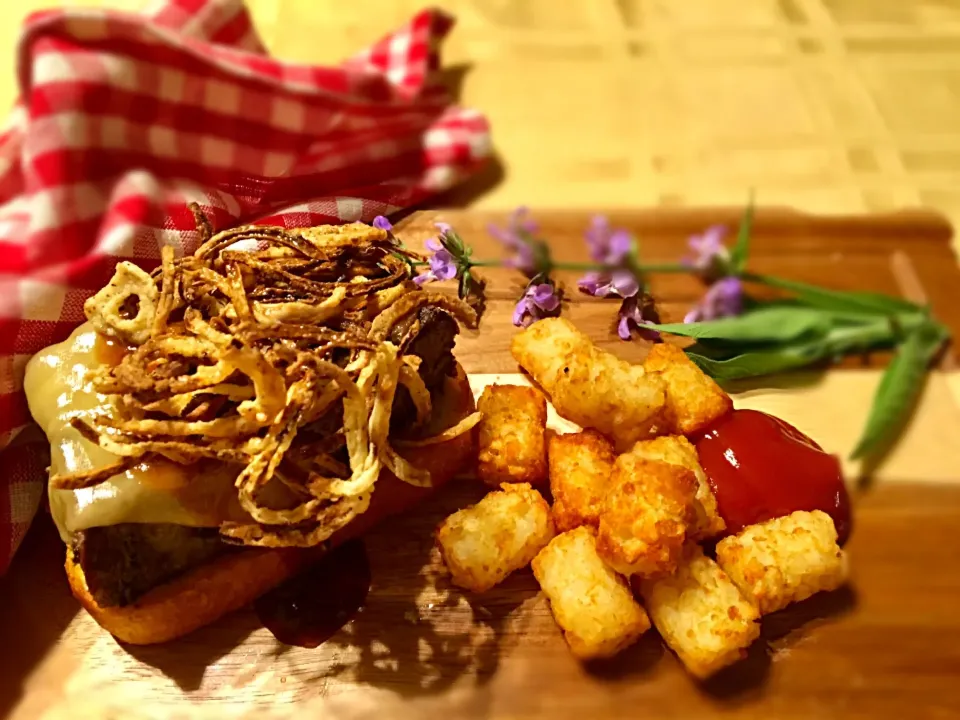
(220, 422)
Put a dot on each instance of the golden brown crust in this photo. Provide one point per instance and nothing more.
(700, 613)
(784, 560)
(482, 544)
(195, 599)
(214, 589)
(580, 468)
(647, 513)
(590, 602)
(677, 450)
(693, 399)
(512, 444)
(590, 386)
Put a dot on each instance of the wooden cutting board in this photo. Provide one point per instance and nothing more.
(886, 647)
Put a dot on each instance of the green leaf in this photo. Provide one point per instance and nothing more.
(466, 283)
(738, 256)
(871, 331)
(899, 388)
(777, 323)
(726, 359)
(763, 362)
(838, 300)
(715, 351)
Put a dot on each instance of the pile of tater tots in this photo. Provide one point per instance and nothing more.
(619, 548)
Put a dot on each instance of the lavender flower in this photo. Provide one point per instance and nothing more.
(622, 283)
(612, 248)
(538, 301)
(518, 237)
(381, 223)
(636, 316)
(607, 245)
(710, 257)
(723, 299)
(443, 265)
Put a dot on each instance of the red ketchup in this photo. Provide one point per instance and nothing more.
(761, 467)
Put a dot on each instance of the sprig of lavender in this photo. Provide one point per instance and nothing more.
(736, 336)
(620, 276)
(614, 272)
(449, 258)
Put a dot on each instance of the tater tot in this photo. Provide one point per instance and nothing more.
(693, 399)
(540, 349)
(482, 544)
(700, 613)
(647, 513)
(590, 602)
(580, 468)
(784, 560)
(677, 450)
(512, 445)
(588, 386)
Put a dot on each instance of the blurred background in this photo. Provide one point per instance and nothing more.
(825, 105)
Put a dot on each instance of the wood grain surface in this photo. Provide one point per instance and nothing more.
(829, 105)
(885, 647)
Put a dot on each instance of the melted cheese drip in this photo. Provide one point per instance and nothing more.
(57, 389)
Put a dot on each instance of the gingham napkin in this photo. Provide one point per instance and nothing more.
(124, 119)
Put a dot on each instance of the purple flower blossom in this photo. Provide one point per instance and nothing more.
(607, 245)
(621, 283)
(443, 266)
(709, 256)
(381, 223)
(518, 237)
(723, 299)
(538, 301)
(632, 319)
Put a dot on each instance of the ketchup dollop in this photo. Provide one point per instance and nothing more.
(761, 467)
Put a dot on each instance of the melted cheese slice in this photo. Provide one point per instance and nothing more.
(58, 389)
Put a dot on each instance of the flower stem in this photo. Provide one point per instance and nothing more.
(576, 266)
(473, 263)
(651, 268)
(664, 268)
(581, 267)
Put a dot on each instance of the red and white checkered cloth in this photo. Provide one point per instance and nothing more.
(124, 119)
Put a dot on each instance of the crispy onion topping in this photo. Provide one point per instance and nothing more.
(127, 307)
(276, 359)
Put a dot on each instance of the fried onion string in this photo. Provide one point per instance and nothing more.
(270, 350)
